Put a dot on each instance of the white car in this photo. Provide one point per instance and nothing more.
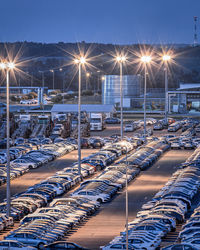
(28, 238)
(14, 245)
(129, 128)
(92, 195)
(175, 145)
(24, 162)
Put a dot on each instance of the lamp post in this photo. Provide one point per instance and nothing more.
(80, 62)
(126, 201)
(145, 60)
(61, 70)
(165, 59)
(121, 60)
(87, 79)
(53, 72)
(7, 67)
(42, 96)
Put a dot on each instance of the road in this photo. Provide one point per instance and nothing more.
(110, 220)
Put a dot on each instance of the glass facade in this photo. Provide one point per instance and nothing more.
(131, 85)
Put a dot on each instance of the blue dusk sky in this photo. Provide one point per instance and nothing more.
(101, 21)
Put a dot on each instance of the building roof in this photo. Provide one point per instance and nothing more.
(184, 86)
(90, 108)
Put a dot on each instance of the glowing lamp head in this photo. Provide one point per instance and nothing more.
(120, 58)
(2, 65)
(60, 69)
(103, 78)
(87, 74)
(10, 65)
(166, 58)
(82, 60)
(145, 59)
(123, 58)
(76, 61)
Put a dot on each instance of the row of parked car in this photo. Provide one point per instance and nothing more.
(139, 238)
(50, 224)
(97, 190)
(187, 140)
(190, 233)
(28, 157)
(167, 208)
(46, 225)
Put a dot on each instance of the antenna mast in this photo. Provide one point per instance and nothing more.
(195, 31)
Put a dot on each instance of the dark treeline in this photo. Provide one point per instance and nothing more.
(34, 58)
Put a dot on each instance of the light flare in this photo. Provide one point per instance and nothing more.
(146, 59)
(166, 58)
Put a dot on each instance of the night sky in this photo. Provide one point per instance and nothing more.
(102, 21)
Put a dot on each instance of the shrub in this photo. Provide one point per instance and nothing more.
(87, 92)
(57, 99)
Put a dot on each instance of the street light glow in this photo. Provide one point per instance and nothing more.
(82, 60)
(88, 74)
(2, 65)
(166, 58)
(120, 58)
(10, 65)
(103, 78)
(7, 65)
(123, 58)
(145, 59)
(76, 61)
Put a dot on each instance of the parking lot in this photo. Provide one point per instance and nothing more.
(110, 220)
(36, 175)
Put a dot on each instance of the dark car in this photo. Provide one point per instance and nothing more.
(85, 143)
(97, 143)
(113, 120)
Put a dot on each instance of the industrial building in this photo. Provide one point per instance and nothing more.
(186, 99)
(131, 85)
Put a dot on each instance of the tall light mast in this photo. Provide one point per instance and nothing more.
(195, 31)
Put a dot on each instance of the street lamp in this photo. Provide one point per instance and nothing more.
(42, 96)
(87, 79)
(53, 72)
(61, 70)
(81, 61)
(7, 67)
(145, 60)
(166, 58)
(126, 191)
(121, 60)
